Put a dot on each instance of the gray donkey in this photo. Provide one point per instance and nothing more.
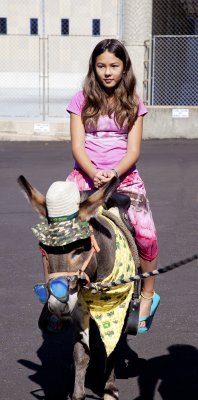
(82, 245)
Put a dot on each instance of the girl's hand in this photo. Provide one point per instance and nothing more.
(102, 177)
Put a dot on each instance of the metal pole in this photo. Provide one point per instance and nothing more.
(120, 19)
(44, 61)
(150, 77)
(43, 18)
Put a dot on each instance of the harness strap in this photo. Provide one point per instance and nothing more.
(78, 273)
(94, 249)
(94, 241)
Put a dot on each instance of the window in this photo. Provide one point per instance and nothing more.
(3, 26)
(96, 27)
(64, 26)
(33, 26)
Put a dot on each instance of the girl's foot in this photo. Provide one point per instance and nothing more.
(145, 306)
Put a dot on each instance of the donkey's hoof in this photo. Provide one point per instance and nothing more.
(113, 396)
(78, 397)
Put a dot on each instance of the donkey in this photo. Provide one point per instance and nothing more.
(84, 259)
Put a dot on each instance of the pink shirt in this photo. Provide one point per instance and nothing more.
(106, 144)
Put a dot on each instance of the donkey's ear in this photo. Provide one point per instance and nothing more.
(36, 199)
(90, 205)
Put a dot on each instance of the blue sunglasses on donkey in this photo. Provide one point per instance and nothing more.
(57, 287)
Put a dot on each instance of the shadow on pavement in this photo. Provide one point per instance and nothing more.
(55, 373)
(174, 376)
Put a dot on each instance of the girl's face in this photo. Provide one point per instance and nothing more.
(109, 70)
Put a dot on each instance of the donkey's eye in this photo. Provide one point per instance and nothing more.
(77, 252)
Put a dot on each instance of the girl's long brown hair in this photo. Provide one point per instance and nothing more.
(124, 104)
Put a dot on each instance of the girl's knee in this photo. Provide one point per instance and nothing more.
(148, 249)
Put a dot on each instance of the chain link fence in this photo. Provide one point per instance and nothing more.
(20, 61)
(20, 87)
(174, 66)
(175, 70)
(67, 65)
(46, 44)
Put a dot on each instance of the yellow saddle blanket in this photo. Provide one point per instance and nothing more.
(108, 308)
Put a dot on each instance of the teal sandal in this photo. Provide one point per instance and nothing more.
(149, 318)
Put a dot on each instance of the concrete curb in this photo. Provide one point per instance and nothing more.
(11, 137)
(34, 130)
(162, 122)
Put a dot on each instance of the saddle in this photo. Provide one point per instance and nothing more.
(119, 200)
(123, 202)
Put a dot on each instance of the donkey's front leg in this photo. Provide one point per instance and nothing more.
(110, 389)
(81, 354)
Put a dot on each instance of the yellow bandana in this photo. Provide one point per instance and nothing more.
(108, 308)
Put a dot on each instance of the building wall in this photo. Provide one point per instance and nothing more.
(80, 13)
(18, 13)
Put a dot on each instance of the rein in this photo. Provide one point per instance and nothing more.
(96, 287)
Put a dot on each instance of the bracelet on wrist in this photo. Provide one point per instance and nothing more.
(116, 173)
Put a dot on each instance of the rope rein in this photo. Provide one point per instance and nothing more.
(95, 287)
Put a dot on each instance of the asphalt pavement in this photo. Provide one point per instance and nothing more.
(162, 364)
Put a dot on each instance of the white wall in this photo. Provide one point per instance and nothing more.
(80, 13)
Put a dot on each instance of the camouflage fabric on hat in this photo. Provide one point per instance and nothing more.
(61, 233)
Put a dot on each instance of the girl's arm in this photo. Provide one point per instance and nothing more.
(133, 147)
(132, 154)
(78, 145)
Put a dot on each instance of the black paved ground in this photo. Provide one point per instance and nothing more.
(162, 364)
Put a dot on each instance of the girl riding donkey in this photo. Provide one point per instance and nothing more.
(106, 121)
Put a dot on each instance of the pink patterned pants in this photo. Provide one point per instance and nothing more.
(139, 212)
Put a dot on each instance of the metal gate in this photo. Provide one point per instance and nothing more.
(20, 76)
(38, 76)
(174, 70)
